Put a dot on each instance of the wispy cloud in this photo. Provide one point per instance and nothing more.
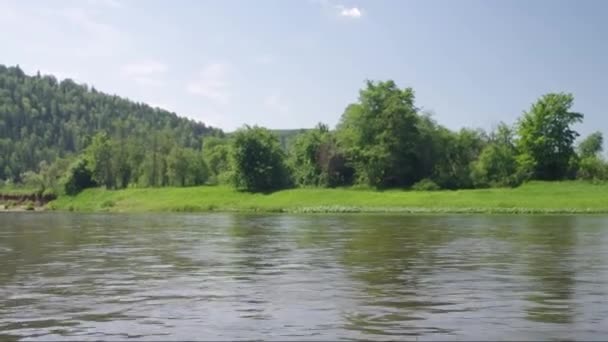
(147, 67)
(212, 83)
(100, 39)
(352, 12)
(145, 73)
(276, 103)
(341, 10)
(74, 31)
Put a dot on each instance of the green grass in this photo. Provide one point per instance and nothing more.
(534, 197)
(16, 191)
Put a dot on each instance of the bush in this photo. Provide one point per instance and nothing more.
(592, 168)
(79, 177)
(426, 185)
(49, 193)
(258, 161)
(107, 204)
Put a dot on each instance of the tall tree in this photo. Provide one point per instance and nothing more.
(546, 136)
(380, 134)
(99, 159)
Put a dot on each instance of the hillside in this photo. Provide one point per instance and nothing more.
(42, 119)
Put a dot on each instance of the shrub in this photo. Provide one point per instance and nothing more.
(258, 161)
(425, 185)
(79, 177)
(107, 204)
(592, 168)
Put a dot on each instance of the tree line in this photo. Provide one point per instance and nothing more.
(382, 141)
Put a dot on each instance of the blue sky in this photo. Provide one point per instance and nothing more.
(291, 64)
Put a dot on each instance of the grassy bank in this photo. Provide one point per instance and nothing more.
(536, 197)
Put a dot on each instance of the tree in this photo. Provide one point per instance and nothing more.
(198, 171)
(304, 156)
(99, 159)
(258, 160)
(186, 167)
(380, 134)
(316, 159)
(177, 167)
(546, 136)
(591, 146)
(78, 177)
(591, 165)
(459, 151)
(43, 120)
(216, 154)
(497, 163)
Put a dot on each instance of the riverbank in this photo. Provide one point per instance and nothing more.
(534, 197)
(17, 199)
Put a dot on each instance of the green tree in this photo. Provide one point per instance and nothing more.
(198, 171)
(78, 177)
(380, 134)
(591, 146)
(591, 165)
(304, 156)
(186, 167)
(454, 161)
(258, 160)
(177, 167)
(546, 136)
(42, 119)
(216, 154)
(99, 159)
(497, 163)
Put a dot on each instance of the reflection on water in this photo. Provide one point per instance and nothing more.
(317, 277)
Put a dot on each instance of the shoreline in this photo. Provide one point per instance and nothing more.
(533, 198)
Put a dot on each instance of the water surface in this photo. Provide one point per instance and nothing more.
(310, 277)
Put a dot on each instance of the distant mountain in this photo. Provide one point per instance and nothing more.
(43, 119)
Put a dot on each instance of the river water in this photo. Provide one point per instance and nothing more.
(310, 277)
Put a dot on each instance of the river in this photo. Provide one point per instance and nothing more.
(67, 276)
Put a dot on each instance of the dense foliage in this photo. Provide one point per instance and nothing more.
(66, 137)
(42, 119)
(258, 160)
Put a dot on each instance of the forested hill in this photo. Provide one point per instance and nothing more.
(42, 119)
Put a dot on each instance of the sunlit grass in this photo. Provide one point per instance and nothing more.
(534, 197)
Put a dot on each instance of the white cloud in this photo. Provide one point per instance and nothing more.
(100, 39)
(275, 103)
(341, 10)
(353, 12)
(145, 73)
(75, 31)
(212, 83)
